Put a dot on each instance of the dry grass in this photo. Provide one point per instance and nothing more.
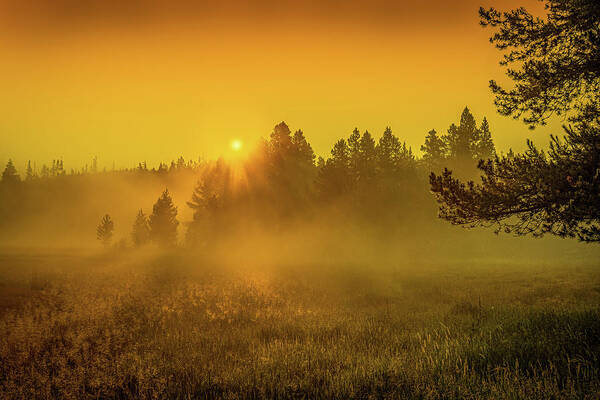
(176, 326)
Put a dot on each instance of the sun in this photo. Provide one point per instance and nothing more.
(236, 145)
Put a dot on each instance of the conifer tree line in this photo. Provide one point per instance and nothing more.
(376, 181)
(461, 148)
(552, 62)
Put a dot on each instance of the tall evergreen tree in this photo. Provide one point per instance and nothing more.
(162, 168)
(104, 231)
(466, 144)
(367, 160)
(388, 151)
(142, 167)
(207, 203)
(434, 151)
(280, 141)
(484, 148)
(461, 139)
(407, 157)
(354, 142)
(140, 233)
(10, 174)
(334, 176)
(283, 173)
(29, 174)
(303, 151)
(354, 153)
(163, 221)
(301, 171)
(340, 155)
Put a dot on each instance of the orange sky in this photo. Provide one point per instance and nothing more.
(155, 79)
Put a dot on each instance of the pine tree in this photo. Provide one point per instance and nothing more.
(206, 203)
(340, 155)
(163, 221)
(407, 157)
(557, 72)
(303, 151)
(462, 138)
(388, 153)
(301, 170)
(140, 233)
(367, 160)
(320, 162)
(59, 168)
(10, 174)
(354, 153)
(388, 169)
(434, 151)
(485, 149)
(205, 197)
(462, 144)
(104, 232)
(29, 174)
(334, 176)
(280, 142)
(162, 168)
(552, 61)
(535, 192)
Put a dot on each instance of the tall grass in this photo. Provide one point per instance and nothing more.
(178, 327)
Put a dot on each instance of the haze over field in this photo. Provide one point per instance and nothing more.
(297, 200)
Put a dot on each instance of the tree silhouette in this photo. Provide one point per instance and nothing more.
(283, 173)
(388, 151)
(140, 233)
(354, 152)
(534, 192)
(484, 148)
(366, 160)
(553, 61)
(461, 148)
(334, 178)
(302, 169)
(29, 173)
(10, 174)
(393, 159)
(104, 232)
(434, 151)
(369, 180)
(302, 150)
(163, 221)
(461, 142)
(162, 169)
(207, 203)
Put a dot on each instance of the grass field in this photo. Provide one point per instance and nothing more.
(76, 325)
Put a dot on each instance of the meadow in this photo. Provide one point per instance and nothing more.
(177, 325)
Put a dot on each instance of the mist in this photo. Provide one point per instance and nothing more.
(299, 200)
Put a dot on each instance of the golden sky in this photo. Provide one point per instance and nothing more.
(150, 80)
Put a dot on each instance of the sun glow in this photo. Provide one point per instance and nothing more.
(236, 145)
